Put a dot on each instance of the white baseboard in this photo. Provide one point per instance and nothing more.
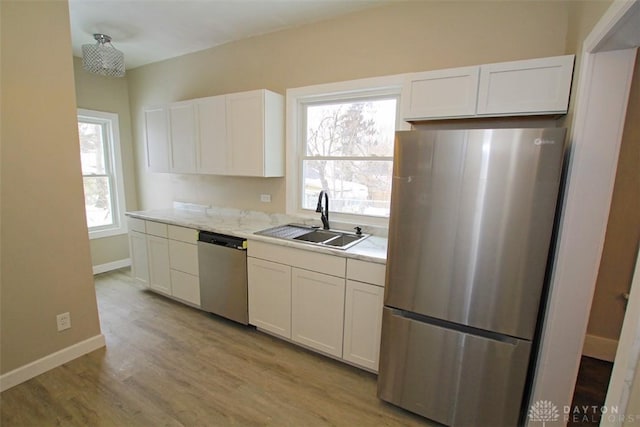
(600, 348)
(40, 366)
(97, 269)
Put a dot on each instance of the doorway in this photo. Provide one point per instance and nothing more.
(607, 63)
(615, 274)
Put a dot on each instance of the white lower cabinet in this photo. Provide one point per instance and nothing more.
(323, 302)
(362, 324)
(158, 257)
(270, 296)
(139, 263)
(183, 263)
(185, 286)
(165, 259)
(317, 313)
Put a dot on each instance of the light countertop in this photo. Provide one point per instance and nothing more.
(243, 223)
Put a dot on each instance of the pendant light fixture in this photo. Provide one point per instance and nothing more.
(102, 58)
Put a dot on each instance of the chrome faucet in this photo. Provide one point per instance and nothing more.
(324, 213)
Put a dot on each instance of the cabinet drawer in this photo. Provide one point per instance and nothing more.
(183, 234)
(185, 286)
(183, 257)
(327, 264)
(368, 272)
(136, 224)
(156, 228)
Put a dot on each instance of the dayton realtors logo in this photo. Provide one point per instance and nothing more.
(544, 411)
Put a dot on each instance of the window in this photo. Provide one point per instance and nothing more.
(348, 150)
(101, 173)
(340, 138)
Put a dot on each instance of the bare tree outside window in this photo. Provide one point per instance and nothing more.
(348, 151)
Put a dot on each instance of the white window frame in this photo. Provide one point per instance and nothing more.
(115, 165)
(297, 98)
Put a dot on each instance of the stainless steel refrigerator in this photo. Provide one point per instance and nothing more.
(472, 214)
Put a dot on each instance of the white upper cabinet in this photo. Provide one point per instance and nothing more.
(245, 125)
(530, 87)
(526, 87)
(157, 139)
(237, 134)
(183, 137)
(212, 153)
(441, 93)
(255, 133)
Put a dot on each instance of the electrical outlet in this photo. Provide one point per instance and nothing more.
(266, 198)
(64, 321)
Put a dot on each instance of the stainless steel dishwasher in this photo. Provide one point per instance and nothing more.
(222, 264)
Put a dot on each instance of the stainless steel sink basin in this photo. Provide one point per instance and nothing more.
(344, 240)
(318, 236)
(336, 239)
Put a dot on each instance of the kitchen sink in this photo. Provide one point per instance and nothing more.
(336, 239)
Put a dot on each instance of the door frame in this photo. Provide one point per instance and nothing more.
(607, 63)
(626, 365)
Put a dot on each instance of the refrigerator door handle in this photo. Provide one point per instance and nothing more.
(456, 327)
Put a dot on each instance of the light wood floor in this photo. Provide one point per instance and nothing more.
(166, 364)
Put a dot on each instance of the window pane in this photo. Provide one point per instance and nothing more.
(91, 148)
(356, 187)
(97, 201)
(356, 128)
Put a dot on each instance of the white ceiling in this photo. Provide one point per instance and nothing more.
(153, 30)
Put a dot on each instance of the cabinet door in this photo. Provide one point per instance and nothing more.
(185, 287)
(183, 137)
(213, 156)
(158, 254)
(157, 139)
(245, 133)
(317, 313)
(442, 93)
(269, 296)
(536, 86)
(139, 263)
(183, 257)
(362, 324)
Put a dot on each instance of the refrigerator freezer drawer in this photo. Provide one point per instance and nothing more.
(449, 376)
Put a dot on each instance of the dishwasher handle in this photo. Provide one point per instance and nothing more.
(222, 240)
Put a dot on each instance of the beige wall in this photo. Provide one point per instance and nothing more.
(623, 229)
(399, 38)
(45, 264)
(110, 94)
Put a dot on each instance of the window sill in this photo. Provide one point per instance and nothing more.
(109, 232)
